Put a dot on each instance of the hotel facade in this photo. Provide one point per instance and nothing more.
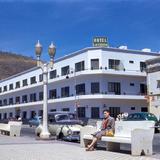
(91, 80)
(153, 81)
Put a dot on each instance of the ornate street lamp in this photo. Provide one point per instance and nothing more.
(45, 67)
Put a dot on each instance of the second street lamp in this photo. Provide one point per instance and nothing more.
(45, 67)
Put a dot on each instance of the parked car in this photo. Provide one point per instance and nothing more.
(144, 116)
(64, 125)
(35, 121)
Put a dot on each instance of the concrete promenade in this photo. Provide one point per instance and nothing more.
(27, 148)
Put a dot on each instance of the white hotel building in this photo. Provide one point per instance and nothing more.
(153, 81)
(105, 78)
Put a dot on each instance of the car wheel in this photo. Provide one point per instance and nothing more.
(61, 136)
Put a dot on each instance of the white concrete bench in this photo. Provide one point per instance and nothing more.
(13, 128)
(137, 133)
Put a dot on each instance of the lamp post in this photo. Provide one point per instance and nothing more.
(45, 67)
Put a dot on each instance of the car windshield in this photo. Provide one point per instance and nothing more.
(62, 117)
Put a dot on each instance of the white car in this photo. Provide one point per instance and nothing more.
(63, 125)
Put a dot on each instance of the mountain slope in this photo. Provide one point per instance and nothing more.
(11, 64)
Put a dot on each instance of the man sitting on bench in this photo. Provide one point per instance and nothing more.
(107, 127)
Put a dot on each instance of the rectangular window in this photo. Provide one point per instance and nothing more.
(65, 70)
(0, 89)
(79, 66)
(131, 84)
(4, 88)
(52, 94)
(142, 66)
(80, 89)
(33, 80)
(114, 64)
(18, 84)
(18, 100)
(65, 109)
(40, 113)
(143, 89)
(65, 92)
(95, 112)
(0, 102)
(114, 87)
(81, 112)
(53, 74)
(24, 115)
(11, 86)
(10, 101)
(10, 114)
(131, 61)
(94, 64)
(40, 96)
(24, 99)
(25, 82)
(33, 97)
(40, 77)
(5, 116)
(133, 108)
(158, 83)
(95, 87)
(5, 102)
(114, 111)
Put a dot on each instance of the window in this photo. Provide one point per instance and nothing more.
(4, 88)
(40, 113)
(94, 112)
(5, 116)
(80, 89)
(40, 96)
(0, 89)
(144, 109)
(52, 94)
(10, 114)
(114, 87)
(79, 66)
(25, 82)
(0, 102)
(94, 64)
(143, 89)
(65, 70)
(81, 112)
(133, 108)
(18, 84)
(33, 80)
(11, 86)
(142, 66)
(114, 111)
(131, 84)
(17, 100)
(95, 87)
(5, 102)
(0, 116)
(53, 74)
(32, 97)
(158, 83)
(114, 64)
(65, 92)
(131, 61)
(24, 115)
(40, 77)
(10, 101)
(24, 99)
(65, 109)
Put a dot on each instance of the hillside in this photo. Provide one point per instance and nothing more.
(11, 64)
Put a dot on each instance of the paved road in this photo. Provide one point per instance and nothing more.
(27, 147)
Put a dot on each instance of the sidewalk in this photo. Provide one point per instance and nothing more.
(25, 148)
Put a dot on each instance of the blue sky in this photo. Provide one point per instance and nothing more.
(71, 24)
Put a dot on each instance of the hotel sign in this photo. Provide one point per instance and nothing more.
(100, 42)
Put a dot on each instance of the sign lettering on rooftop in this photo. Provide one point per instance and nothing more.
(100, 42)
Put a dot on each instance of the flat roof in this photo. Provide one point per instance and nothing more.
(85, 50)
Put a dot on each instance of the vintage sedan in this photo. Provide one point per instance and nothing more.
(64, 126)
